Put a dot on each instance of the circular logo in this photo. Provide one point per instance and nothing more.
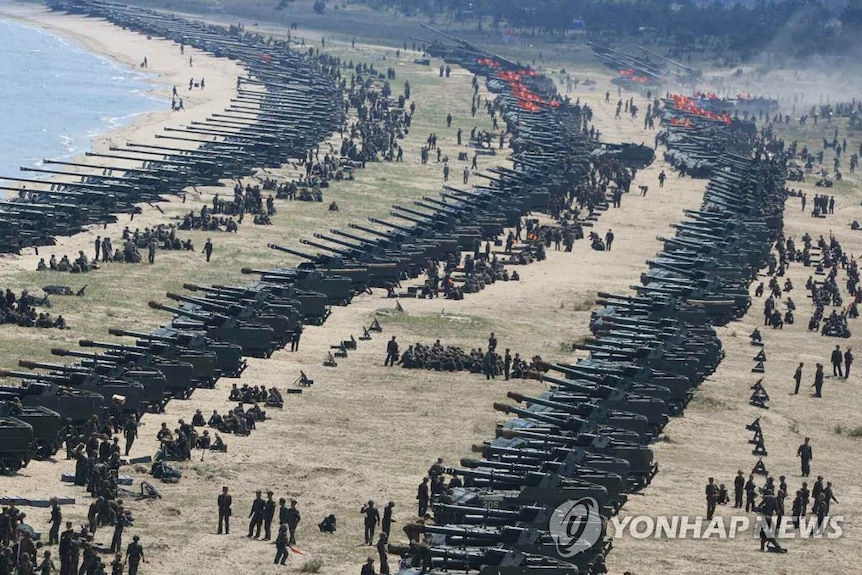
(575, 526)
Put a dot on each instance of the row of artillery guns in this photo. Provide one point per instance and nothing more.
(285, 105)
(696, 143)
(536, 498)
(551, 153)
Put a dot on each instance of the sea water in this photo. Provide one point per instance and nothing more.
(55, 97)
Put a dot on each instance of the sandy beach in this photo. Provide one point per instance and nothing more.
(167, 68)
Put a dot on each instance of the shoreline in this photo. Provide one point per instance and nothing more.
(167, 67)
(144, 93)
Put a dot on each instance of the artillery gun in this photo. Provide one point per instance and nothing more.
(16, 439)
(255, 339)
(210, 359)
(45, 424)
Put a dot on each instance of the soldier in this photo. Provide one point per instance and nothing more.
(466, 174)
(65, 549)
(805, 455)
(446, 172)
(134, 555)
(381, 552)
(281, 545)
(294, 339)
(386, 525)
(738, 488)
(293, 517)
(458, 135)
(818, 381)
(848, 361)
(609, 239)
(750, 493)
(448, 120)
(151, 251)
(268, 514)
(372, 520)
(391, 353)
(208, 249)
(711, 498)
(224, 503)
(828, 496)
(130, 432)
(836, 361)
(46, 566)
(116, 565)
(507, 364)
(797, 377)
(98, 245)
(56, 518)
(368, 568)
(423, 496)
(119, 525)
(256, 515)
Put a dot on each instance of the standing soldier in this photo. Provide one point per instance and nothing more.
(282, 511)
(381, 551)
(56, 518)
(224, 503)
(711, 498)
(796, 509)
(738, 488)
(805, 455)
(268, 514)
(848, 361)
(386, 526)
(609, 239)
(151, 250)
(507, 364)
(423, 496)
(836, 361)
(116, 565)
(750, 494)
(281, 545)
(208, 249)
(256, 515)
(829, 496)
(293, 519)
(797, 377)
(391, 353)
(98, 245)
(372, 520)
(134, 555)
(295, 337)
(818, 381)
(130, 431)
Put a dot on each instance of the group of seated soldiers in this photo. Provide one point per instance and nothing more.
(207, 222)
(256, 394)
(438, 357)
(80, 265)
(305, 189)
(238, 420)
(21, 311)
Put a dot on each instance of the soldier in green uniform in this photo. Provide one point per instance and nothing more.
(134, 555)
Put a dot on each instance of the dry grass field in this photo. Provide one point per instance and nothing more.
(368, 432)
